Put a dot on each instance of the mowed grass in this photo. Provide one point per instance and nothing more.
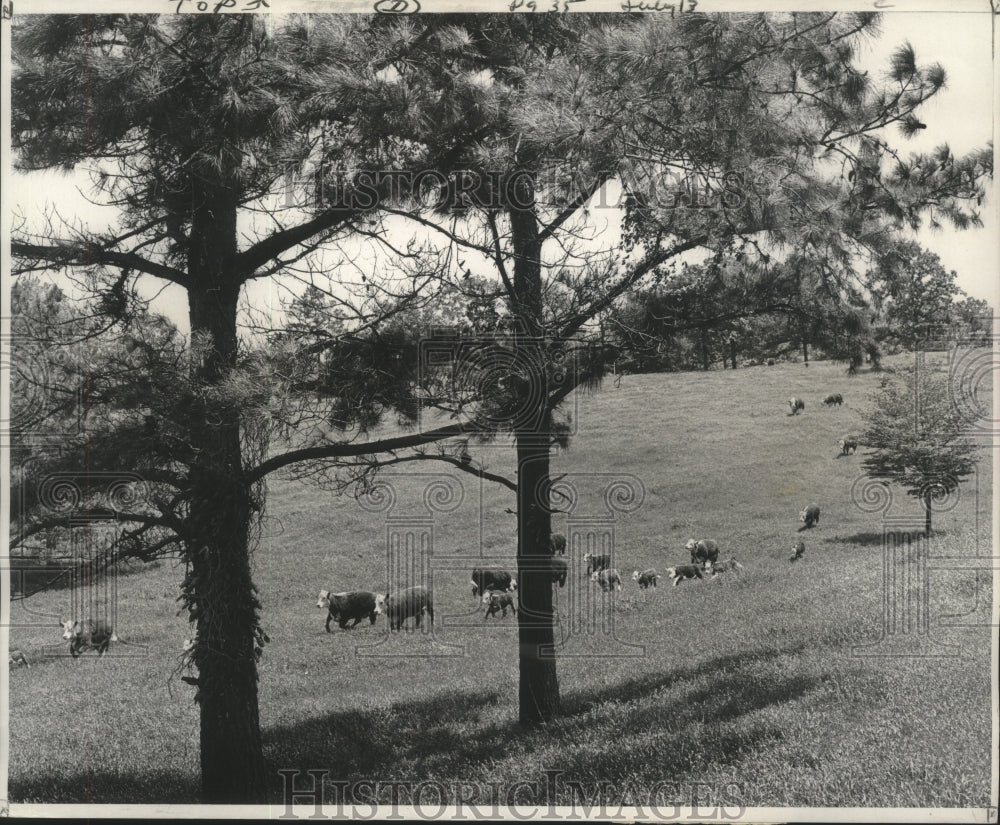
(746, 684)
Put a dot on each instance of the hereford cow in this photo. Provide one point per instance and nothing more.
(485, 579)
(834, 399)
(647, 578)
(684, 571)
(847, 444)
(17, 657)
(702, 551)
(401, 605)
(497, 601)
(798, 550)
(342, 607)
(597, 561)
(810, 515)
(90, 634)
(796, 404)
(608, 578)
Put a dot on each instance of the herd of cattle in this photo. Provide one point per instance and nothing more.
(494, 587)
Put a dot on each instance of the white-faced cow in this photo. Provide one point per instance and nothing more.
(684, 571)
(810, 515)
(796, 404)
(834, 398)
(343, 607)
(17, 657)
(497, 602)
(403, 604)
(647, 578)
(798, 550)
(848, 444)
(485, 579)
(608, 578)
(702, 551)
(89, 634)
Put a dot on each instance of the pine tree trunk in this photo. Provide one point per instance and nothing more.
(805, 351)
(220, 589)
(704, 351)
(927, 514)
(732, 353)
(538, 692)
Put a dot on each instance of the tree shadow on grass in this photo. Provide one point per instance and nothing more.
(869, 539)
(445, 738)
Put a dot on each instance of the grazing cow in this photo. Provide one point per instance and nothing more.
(647, 578)
(834, 398)
(559, 570)
(702, 551)
(497, 601)
(597, 561)
(608, 578)
(798, 549)
(684, 571)
(342, 607)
(729, 566)
(92, 634)
(810, 515)
(17, 657)
(796, 404)
(557, 544)
(401, 605)
(847, 444)
(485, 579)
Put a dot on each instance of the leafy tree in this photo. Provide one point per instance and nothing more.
(917, 438)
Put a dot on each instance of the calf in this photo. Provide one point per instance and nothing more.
(608, 578)
(703, 551)
(847, 444)
(342, 607)
(798, 550)
(810, 515)
(401, 605)
(796, 404)
(597, 561)
(498, 601)
(833, 398)
(559, 570)
(17, 657)
(647, 578)
(485, 579)
(91, 634)
(557, 544)
(684, 571)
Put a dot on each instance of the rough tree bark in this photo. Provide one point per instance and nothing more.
(222, 597)
(538, 686)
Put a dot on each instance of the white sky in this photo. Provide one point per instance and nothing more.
(962, 115)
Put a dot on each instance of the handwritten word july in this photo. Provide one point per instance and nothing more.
(217, 6)
(656, 5)
(543, 5)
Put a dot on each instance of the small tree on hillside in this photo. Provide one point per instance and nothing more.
(917, 438)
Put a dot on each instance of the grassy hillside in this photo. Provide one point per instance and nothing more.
(748, 679)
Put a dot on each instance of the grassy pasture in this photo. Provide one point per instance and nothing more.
(748, 679)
